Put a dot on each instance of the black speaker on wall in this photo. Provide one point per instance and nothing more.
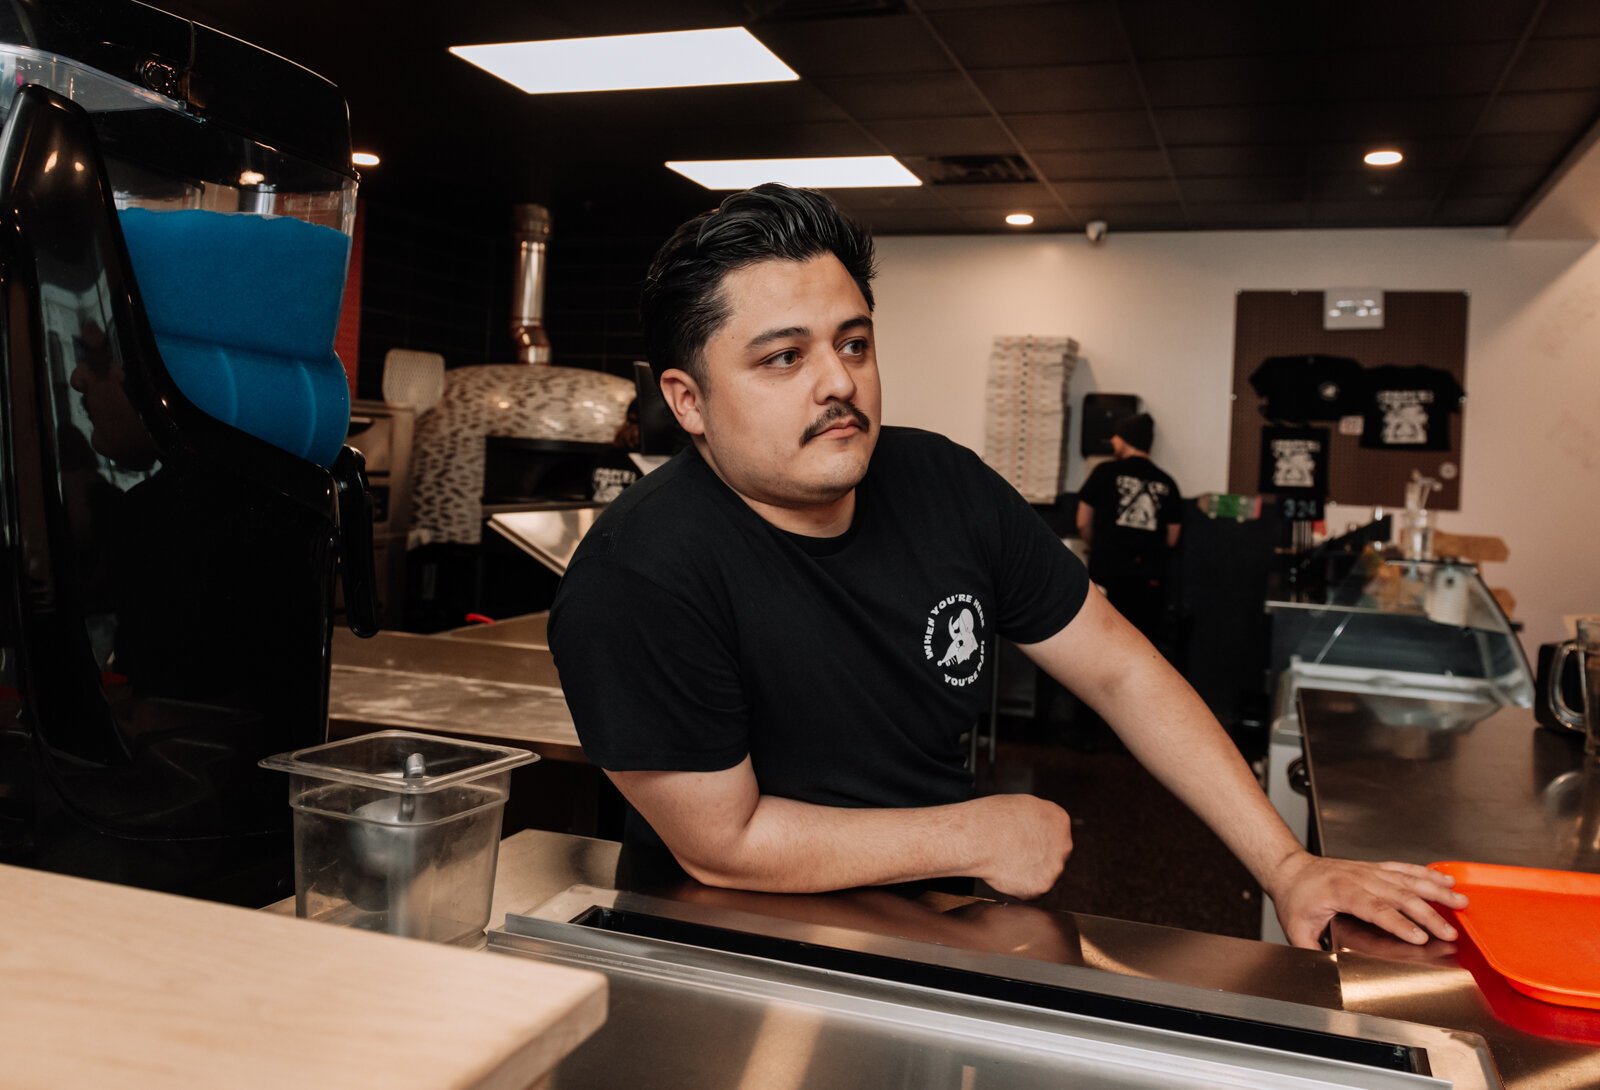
(1101, 415)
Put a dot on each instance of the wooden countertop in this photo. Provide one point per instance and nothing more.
(110, 986)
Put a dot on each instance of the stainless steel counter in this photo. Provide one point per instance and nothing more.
(784, 1032)
(1424, 781)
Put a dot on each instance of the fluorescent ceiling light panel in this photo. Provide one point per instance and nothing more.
(836, 172)
(630, 62)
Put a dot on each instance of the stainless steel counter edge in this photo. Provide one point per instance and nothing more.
(1461, 1058)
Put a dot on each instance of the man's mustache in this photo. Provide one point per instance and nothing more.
(836, 412)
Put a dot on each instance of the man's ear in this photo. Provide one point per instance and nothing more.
(684, 398)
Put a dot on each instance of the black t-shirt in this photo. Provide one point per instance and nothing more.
(1408, 408)
(1134, 502)
(1311, 387)
(689, 632)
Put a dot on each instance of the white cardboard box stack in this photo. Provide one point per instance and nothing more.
(1026, 433)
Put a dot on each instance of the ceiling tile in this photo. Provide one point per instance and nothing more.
(1090, 130)
(926, 221)
(1391, 120)
(1519, 149)
(1476, 211)
(1355, 186)
(889, 199)
(1557, 65)
(1569, 18)
(1035, 35)
(1477, 181)
(1003, 195)
(1165, 215)
(1046, 219)
(1092, 165)
(1554, 111)
(1369, 213)
(1162, 29)
(1424, 155)
(1223, 81)
(1253, 190)
(1237, 159)
(943, 136)
(1216, 217)
(879, 44)
(917, 94)
(1052, 90)
(1279, 124)
(1127, 191)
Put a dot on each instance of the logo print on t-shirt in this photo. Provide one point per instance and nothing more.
(954, 639)
(1137, 502)
(1405, 415)
(1294, 462)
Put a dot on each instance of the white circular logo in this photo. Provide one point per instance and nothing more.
(955, 639)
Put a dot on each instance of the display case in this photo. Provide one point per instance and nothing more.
(1428, 630)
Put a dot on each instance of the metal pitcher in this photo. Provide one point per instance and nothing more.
(1587, 648)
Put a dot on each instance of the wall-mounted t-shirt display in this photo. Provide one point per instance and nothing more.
(1309, 387)
(1408, 408)
(1289, 370)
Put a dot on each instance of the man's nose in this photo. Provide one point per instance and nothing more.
(836, 381)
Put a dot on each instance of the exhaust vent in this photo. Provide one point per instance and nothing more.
(530, 226)
(974, 170)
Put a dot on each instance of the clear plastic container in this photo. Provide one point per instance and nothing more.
(399, 832)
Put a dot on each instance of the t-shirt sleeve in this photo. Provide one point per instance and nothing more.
(1093, 491)
(650, 683)
(1172, 506)
(1040, 584)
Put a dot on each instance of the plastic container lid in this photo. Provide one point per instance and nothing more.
(379, 760)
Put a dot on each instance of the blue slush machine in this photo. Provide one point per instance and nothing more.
(176, 499)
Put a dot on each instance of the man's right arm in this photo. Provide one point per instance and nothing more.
(724, 832)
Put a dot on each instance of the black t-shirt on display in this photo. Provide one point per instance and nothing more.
(1408, 408)
(1310, 387)
(1134, 502)
(690, 633)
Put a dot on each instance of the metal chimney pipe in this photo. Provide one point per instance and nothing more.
(531, 229)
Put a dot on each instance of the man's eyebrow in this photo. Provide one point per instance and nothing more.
(777, 335)
(860, 321)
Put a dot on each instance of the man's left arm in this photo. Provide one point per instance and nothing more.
(1105, 661)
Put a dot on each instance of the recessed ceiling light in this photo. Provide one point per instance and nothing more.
(365, 159)
(1382, 157)
(630, 62)
(837, 172)
(1019, 219)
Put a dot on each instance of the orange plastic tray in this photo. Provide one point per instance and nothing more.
(1540, 929)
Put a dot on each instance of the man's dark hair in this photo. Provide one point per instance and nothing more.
(683, 306)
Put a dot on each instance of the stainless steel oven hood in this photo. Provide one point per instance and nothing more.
(710, 997)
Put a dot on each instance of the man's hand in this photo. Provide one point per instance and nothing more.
(1309, 891)
(1031, 839)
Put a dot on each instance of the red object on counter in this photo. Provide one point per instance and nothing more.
(479, 618)
(1539, 929)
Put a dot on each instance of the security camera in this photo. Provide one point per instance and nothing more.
(1096, 230)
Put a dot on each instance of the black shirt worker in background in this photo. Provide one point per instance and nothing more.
(1130, 515)
(773, 643)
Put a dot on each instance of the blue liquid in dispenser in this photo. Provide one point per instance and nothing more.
(244, 310)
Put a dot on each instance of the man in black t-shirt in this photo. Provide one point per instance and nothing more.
(772, 643)
(1130, 516)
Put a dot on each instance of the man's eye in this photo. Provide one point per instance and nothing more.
(787, 358)
(855, 347)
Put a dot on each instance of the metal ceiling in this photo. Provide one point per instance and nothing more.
(1149, 114)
